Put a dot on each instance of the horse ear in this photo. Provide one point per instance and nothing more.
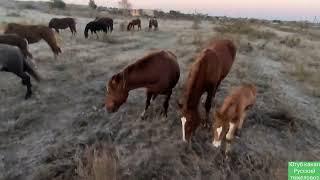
(115, 79)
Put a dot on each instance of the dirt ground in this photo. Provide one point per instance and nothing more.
(40, 137)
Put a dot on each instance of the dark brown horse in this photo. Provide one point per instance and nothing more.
(158, 72)
(107, 21)
(63, 23)
(209, 69)
(33, 34)
(133, 23)
(153, 23)
(15, 40)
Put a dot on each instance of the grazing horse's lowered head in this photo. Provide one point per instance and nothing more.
(162, 71)
(117, 92)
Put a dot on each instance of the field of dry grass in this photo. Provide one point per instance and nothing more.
(63, 132)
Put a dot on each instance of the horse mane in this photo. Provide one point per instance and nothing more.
(192, 78)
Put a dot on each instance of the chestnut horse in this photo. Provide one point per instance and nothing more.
(158, 72)
(232, 113)
(33, 34)
(209, 69)
(134, 23)
(15, 40)
(63, 23)
(153, 23)
(107, 21)
(12, 60)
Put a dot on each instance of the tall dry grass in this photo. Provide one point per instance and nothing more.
(97, 162)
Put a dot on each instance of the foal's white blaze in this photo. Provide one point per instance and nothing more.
(219, 131)
(183, 122)
(231, 127)
(216, 143)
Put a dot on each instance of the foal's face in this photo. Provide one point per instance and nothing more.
(116, 94)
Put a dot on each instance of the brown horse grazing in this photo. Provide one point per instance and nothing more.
(107, 21)
(153, 23)
(63, 23)
(232, 113)
(33, 34)
(134, 23)
(209, 69)
(158, 72)
(15, 40)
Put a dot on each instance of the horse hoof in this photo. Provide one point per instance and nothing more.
(27, 96)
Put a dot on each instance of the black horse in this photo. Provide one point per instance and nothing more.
(95, 26)
(12, 60)
(107, 21)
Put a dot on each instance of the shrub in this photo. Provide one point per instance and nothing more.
(196, 23)
(291, 41)
(245, 29)
(92, 4)
(59, 4)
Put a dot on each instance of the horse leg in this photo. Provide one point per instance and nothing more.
(149, 95)
(210, 91)
(26, 81)
(230, 135)
(57, 30)
(166, 103)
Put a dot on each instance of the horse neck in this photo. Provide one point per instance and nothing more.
(194, 88)
(50, 39)
(135, 77)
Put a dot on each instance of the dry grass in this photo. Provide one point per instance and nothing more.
(97, 162)
(245, 29)
(123, 26)
(291, 41)
(196, 24)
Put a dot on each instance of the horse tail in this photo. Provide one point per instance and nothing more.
(86, 31)
(31, 71)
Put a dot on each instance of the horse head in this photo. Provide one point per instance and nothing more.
(117, 93)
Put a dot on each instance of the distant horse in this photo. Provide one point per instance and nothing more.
(107, 21)
(63, 23)
(209, 69)
(15, 40)
(94, 26)
(33, 34)
(153, 23)
(12, 60)
(232, 113)
(158, 72)
(133, 23)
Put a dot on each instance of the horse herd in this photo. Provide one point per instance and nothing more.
(206, 73)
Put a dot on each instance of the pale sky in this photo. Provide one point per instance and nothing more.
(267, 9)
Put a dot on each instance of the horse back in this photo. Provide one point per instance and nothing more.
(219, 57)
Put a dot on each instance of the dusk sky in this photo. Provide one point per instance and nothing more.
(267, 9)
